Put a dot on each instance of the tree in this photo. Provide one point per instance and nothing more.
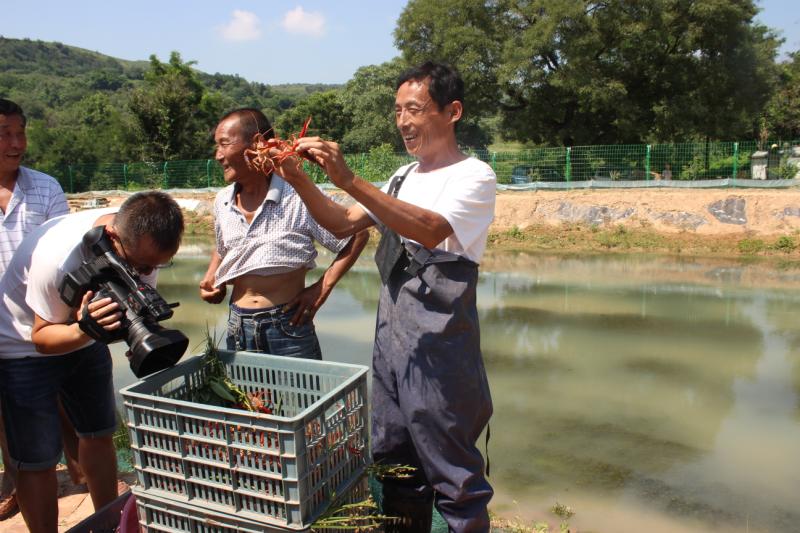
(368, 98)
(783, 110)
(328, 118)
(616, 71)
(167, 110)
(95, 129)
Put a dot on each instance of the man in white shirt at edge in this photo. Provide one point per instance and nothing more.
(430, 393)
(27, 199)
(45, 355)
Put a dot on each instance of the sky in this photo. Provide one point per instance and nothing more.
(310, 41)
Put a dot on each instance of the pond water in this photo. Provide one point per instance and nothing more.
(648, 394)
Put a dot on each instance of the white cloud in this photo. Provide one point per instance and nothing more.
(304, 22)
(243, 26)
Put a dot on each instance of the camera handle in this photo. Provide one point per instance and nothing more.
(89, 325)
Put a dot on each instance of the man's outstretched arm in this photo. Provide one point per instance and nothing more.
(421, 225)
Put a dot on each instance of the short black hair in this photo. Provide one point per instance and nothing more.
(445, 84)
(151, 213)
(8, 108)
(253, 121)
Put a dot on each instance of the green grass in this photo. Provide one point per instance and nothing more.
(751, 246)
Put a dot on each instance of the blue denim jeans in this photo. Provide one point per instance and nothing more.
(267, 330)
(30, 388)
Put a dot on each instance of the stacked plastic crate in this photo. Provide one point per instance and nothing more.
(207, 468)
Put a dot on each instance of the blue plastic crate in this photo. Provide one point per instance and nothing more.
(278, 470)
(158, 514)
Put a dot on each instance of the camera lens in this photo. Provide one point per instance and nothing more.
(154, 348)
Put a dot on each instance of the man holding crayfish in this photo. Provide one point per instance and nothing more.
(264, 248)
(430, 394)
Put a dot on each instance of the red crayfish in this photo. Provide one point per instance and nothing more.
(261, 402)
(257, 156)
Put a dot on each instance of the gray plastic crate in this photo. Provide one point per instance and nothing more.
(105, 520)
(158, 514)
(282, 470)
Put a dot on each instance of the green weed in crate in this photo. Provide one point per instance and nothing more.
(219, 390)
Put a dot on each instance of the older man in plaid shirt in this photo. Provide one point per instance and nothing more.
(265, 247)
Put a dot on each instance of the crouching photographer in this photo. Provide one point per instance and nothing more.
(152, 347)
(46, 354)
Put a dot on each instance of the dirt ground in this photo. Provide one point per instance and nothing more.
(766, 212)
(74, 503)
(704, 222)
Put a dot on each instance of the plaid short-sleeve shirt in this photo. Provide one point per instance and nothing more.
(37, 197)
(279, 239)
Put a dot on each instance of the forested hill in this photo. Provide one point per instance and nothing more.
(24, 56)
(86, 107)
(69, 73)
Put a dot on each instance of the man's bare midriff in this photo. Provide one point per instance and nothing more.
(252, 291)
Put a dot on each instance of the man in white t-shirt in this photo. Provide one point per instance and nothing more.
(45, 354)
(430, 394)
(27, 199)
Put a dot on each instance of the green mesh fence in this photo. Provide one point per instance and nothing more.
(604, 164)
(377, 165)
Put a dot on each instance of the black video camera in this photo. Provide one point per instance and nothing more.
(153, 347)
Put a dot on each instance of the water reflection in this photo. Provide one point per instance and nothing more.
(650, 394)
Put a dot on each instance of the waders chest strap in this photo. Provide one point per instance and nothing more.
(390, 248)
(418, 256)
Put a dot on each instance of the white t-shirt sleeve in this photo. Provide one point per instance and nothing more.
(468, 206)
(42, 294)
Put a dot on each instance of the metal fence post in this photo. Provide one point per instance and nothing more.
(166, 179)
(208, 173)
(71, 185)
(494, 162)
(568, 165)
(647, 164)
(125, 175)
(735, 163)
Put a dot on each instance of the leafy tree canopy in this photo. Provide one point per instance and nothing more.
(590, 72)
(328, 118)
(368, 98)
(166, 110)
(783, 111)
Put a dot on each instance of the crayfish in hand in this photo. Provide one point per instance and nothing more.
(257, 156)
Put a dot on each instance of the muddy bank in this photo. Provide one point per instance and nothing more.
(736, 212)
(717, 222)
